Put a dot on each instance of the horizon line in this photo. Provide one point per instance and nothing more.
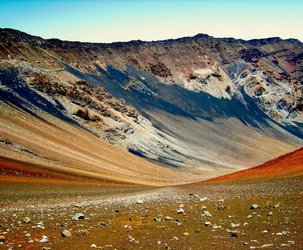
(151, 41)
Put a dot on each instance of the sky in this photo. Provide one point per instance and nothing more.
(124, 20)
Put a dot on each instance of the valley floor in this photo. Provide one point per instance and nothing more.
(114, 220)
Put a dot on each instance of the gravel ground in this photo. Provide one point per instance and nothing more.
(113, 219)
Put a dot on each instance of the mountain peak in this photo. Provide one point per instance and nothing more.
(16, 36)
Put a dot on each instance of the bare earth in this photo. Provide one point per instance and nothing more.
(114, 220)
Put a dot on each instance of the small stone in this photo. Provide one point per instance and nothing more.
(82, 232)
(264, 231)
(208, 224)
(46, 248)
(185, 234)
(40, 225)
(130, 238)
(157, 219)
(139, 202)
(203, 199)
(27, 235)
(285, 245)
(178, 223)
(2, 238)
(66, 233)
(291, 242)
(267, 245)
(26, 220)
(221, 207)
(102, 224)
(168, 218)
(277, 205)
(44, 239)
(78, 216)
(255, 206)
(249, 216)
(205, 213)
(233, 234)
(180, 211)
(93, 246)
(270, 214)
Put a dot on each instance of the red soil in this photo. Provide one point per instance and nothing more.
(290, 164)
(25, 172)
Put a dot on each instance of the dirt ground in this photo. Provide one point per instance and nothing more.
(114, 220)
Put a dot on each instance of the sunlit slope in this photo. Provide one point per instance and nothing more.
(52, 144)
(290, 164)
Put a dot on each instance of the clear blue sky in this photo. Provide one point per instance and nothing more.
(123, 20)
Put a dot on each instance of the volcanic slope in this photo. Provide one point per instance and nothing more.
(48, 148)
(287, 165)
(203, 105)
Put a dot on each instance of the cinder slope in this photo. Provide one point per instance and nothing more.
(47, 146)
(287, 165)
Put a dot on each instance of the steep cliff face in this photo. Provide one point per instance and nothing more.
(200, 102)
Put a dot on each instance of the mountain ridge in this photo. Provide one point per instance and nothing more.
(199, 105)
(9, 31)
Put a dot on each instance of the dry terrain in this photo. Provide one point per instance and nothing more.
(148, 145)
(262, 213)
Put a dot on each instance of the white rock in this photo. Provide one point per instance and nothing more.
(44, 239)
(205, 213)
(267, 245)
(255, 206)
(26, 220)
(208, 224)
(78, 216)
(180, 211)
(66, 233)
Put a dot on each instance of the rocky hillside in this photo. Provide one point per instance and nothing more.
(206, 104)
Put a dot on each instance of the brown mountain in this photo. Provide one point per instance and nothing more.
(199, 105)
